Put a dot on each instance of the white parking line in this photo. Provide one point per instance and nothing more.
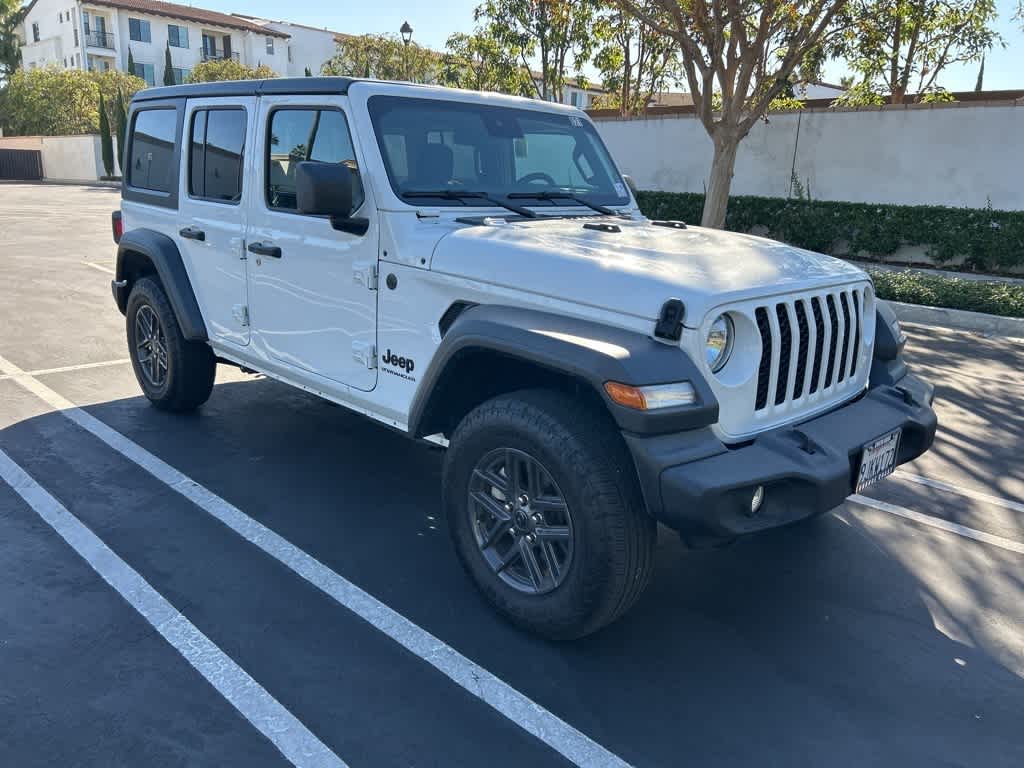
(68, 368)
(999, 501)
(262, 710)
(488, 688)
(938, 522)
(100, 267)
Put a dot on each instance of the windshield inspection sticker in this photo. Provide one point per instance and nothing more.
(577, 122)
(620, 189)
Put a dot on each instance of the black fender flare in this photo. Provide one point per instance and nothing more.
(163, 254)
(585, 350)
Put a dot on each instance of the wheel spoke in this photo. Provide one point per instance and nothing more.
(508, 558)
(492, 505)
(532, 566)
(496, 531)
(512, 469)
(492, 479)
(551, 560)
(552, 532)
(548, 504)
(533, 479)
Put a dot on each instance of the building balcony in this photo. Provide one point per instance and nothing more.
(210, 55)
(99, 40)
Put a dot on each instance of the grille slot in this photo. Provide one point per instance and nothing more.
(808, 346)
(801, 352)
(765, 368)
(785, 352)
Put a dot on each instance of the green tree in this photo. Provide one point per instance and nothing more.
(634, 60)
(384, 57)
(478, 63)
(748, 51)
(228, 69)
(168, 66)
(308, 73)
(11, 16)
(106, 143)
(120, 124)
(52, 101)
(901, 46)
(131, 61)
(552, 32)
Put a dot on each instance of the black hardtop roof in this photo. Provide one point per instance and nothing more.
(281, 85)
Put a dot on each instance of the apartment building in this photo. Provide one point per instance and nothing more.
(98, 35)
(307, 47)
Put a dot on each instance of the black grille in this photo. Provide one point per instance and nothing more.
(856, 332)
(785, 351)
(819, 343)
(834, 323)
(836, 319)
(846, 336)
(765, 369)
(801, 354)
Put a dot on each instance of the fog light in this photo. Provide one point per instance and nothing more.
(757, 500)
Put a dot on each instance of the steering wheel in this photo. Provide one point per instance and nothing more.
(532, 178)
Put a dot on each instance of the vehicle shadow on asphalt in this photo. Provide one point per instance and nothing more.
(811, 645)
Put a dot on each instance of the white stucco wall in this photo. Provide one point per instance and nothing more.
(65, 158)
(957, 155)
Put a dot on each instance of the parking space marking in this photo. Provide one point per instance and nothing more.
(999, 501)
(68, 368)
(467, 674)
(100, 267)
(296, 742)
(938, 522)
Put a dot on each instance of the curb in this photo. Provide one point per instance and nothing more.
(990, 325)
(65, 183)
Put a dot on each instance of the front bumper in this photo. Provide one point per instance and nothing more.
(702, 488)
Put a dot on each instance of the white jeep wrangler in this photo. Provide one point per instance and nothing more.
(472, 270)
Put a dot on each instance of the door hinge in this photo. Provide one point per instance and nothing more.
(365, 352)
(241, 313)
(365, 273)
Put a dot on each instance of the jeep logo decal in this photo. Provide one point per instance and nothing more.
(405, 363)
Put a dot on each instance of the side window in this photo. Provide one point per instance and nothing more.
(216, 150)
(151, 165)
(306, 134)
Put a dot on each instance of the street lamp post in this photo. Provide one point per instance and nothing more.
(406, 31)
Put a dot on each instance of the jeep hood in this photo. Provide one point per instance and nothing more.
(636, 269)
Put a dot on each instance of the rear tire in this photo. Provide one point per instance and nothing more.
(175, 374)
(573, 453)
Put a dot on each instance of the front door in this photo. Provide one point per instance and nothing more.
(313, 301)
(215, 187)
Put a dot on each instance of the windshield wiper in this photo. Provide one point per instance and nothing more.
(548, 194)
(462, 196)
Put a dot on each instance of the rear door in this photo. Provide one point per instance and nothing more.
(211, 231)
(314, 301)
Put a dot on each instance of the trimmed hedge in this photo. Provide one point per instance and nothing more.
(995, 297)
(989, 240)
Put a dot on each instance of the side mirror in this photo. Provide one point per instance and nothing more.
(630, 183)
(330, 189)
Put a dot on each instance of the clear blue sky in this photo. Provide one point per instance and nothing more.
(432, 22)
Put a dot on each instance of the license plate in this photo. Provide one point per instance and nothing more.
(878, 459)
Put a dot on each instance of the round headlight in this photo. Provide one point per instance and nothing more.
(718, 347)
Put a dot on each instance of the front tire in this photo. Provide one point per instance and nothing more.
(175, 374)
(546, 514)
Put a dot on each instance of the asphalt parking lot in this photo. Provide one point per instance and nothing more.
(298, 552)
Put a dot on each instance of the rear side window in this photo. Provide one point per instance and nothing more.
(152, 161)
(306, 134)
(216, 150)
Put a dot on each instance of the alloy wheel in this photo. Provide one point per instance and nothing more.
(521, 521)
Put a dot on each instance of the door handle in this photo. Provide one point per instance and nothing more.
(265, 249)
(192, 233)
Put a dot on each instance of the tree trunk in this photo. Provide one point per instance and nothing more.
(717, 199)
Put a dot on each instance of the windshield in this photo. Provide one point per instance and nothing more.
(535, 158)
